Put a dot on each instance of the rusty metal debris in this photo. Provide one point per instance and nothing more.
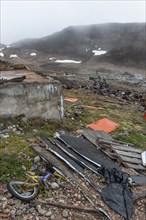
(82, 209)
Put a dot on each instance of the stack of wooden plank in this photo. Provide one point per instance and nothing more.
(123, 153)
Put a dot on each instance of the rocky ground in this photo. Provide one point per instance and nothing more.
(41, 208)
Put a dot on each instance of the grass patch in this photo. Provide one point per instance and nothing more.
(14, 152)
(137, 139)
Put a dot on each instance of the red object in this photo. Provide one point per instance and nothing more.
(144, 116)
(104, 124)
(71, 99)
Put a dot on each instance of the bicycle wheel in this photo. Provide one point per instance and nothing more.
(24, 193)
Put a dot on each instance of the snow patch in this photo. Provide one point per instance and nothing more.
(8, 46)
(99, 52)
(1, 55)
(33, 54)
(67, 61)
(52, 58)
(13, 55)
(2, 48)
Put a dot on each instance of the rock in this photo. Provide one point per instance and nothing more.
(32, 169)
(37, 159)
(65, 213)
(61, 201)
(31, 173)
(48, 206)
(54, 185)
(9, 196)
(10, 201)
(31, 210)
(79, 131)
(7, 211)
(48, 214)
(52, 217)
(3, 199)
(40, 210)
(79, 196)
(50, 199)
(18, 212)
(17, 202)
(18, 132)
(23, 167)
(76, 195)
(13, 211)
(4, 202)
(24, 119)
(4, 135)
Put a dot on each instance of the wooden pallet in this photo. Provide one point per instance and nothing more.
(121, 152)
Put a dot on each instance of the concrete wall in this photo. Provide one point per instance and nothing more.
(31, 99)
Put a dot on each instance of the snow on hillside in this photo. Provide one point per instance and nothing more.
(67, 61)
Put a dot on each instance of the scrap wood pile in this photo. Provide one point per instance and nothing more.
(82, 156)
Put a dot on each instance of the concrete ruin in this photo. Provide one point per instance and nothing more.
(35, 96)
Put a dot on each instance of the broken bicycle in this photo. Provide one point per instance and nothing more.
(29, 189)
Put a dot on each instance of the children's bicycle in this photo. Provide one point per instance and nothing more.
(29, 189)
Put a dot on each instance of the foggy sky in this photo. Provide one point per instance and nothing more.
(32, 19)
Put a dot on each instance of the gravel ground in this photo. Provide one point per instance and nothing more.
(38, 209)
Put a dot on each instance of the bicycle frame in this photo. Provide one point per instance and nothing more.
(37, 180)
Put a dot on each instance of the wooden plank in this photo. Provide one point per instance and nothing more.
(115, 142)
(129, 154)
(136, 166)
(93, 136)
(130, 149)
(53, 160)
(131, 160)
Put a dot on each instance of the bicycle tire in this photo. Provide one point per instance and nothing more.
(22, 196)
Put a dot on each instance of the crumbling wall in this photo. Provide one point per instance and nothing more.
(31, 99)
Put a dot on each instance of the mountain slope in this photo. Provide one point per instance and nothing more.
(121, 41)
(2, 45)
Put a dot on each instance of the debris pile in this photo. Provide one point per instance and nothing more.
(101, 87)
(72, 156)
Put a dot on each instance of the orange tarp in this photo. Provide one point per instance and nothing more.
(91, 107)
(104, 124)
(71, 99)
(144, 116)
